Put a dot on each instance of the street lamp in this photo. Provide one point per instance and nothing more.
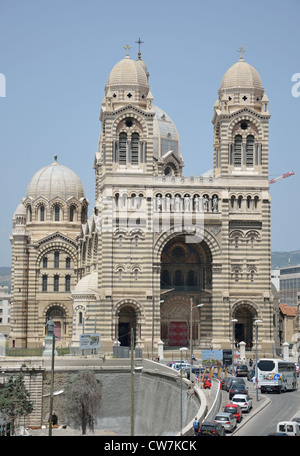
(233, 321)
(256, 355)
(50, 334)
(183, 349)
(191, 333)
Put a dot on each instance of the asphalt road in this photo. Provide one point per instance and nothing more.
(280, 407)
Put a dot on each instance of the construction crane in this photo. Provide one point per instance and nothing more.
(283, 176)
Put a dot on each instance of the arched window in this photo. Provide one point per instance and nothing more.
(56, 212)
(178, 278)
(80, 318)
(72, 213)
(68, 283)
(84, 215)
(56, 259)
(135, 138)
(42, 213)
(191, 279)
(237, 153)
(249, 202)
(56, 282)
(122, 148)
(249, 151)
(165, 278)
(68, 263)
(44, 283)
(45, 262)
(29, 214)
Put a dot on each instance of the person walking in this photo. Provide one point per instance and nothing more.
(196, 426)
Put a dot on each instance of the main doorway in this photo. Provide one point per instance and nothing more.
(178, 334)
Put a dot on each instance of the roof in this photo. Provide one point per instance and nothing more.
(289, 311)
(55, 180)
(241, 75)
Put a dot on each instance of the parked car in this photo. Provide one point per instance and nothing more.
(297, 419)
(241, 370)
(244, 401)
(226, 383)
(227, 420)
(207, 383)
(237, 380)
(291, 428)
(178, 366)
(221, 382)
(210, 428)
(235, 409)
(237, 388)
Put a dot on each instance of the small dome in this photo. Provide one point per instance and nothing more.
(88, 284)
(165, 135)
(55, 180)
(241, 75)
(127, 72)
(20, 211)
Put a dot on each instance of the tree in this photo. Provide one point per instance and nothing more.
(14, 399)
(82, 401)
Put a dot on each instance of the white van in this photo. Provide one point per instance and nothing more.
(288, 427)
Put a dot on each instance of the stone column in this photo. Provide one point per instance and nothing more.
(285, 347)
(160, 349)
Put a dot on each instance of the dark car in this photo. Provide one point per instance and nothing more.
(237, 388)
(214, 429)
(226, 383)
(239, 380)
(241, 371)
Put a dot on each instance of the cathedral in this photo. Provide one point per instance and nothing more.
(163, 256)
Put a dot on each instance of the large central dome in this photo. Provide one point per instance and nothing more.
(53, 181)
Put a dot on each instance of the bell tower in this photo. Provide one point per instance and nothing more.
(241, 124)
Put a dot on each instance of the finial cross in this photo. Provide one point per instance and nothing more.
(241, 50)
(139, 42)
(127, 47)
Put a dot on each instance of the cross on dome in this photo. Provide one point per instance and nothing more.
(139, 42)
(241, 50)
(127, 47)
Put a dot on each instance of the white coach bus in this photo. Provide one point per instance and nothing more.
(275, 375)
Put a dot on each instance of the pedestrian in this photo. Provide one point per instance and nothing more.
(254, 382)
(196, 426)
(250, 363)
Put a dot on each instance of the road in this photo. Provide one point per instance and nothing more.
(281, 407)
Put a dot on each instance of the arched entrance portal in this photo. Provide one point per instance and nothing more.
(58, 315)
(245, 314)
(127, 322)
(186, 270)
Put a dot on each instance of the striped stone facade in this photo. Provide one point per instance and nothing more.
(159, 243)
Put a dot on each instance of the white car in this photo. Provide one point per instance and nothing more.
(227, 420)
(178, 366)
(244, 401)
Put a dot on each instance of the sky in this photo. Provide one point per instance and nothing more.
(56, 56)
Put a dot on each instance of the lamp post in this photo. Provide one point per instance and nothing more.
(256, 355)
(183, 349)
(50, 334)
(191, 333)
(233, 321)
